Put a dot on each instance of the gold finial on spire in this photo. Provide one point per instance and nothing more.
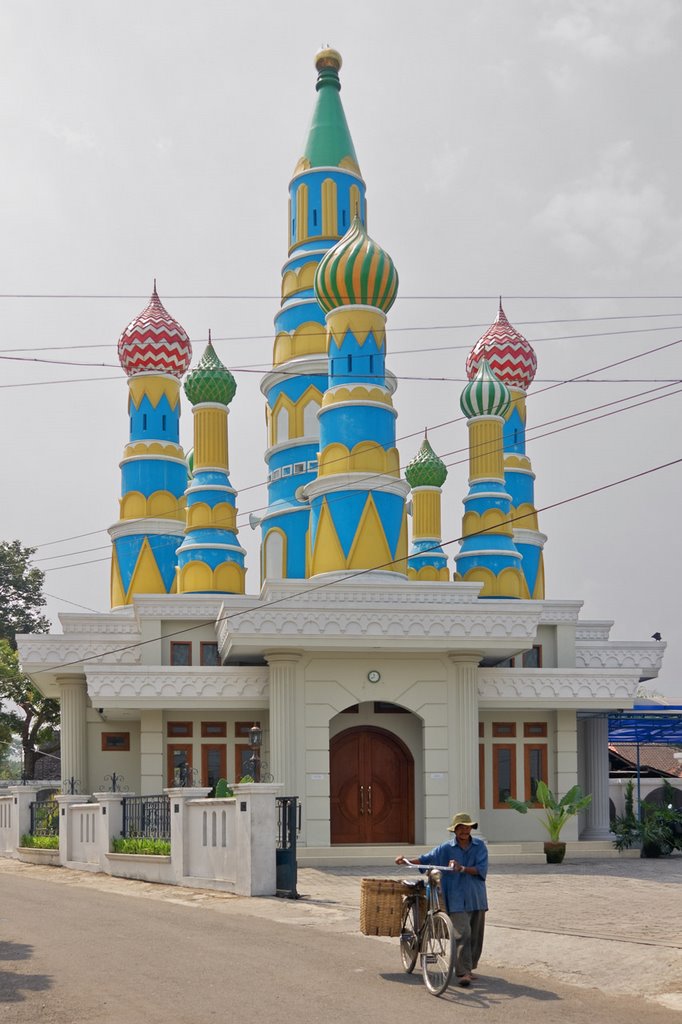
(328, 58)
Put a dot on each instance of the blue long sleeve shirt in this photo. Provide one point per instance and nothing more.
(461, 891)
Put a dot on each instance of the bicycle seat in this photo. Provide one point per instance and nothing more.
(414, 883)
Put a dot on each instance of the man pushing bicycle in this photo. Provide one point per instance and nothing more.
(464, 891)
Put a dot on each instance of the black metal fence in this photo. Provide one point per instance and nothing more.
(146, 817)
(44, 818)
(288, 827)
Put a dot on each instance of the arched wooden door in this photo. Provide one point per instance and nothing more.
(372, 788)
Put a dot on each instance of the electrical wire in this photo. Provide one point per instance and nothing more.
(357, 574)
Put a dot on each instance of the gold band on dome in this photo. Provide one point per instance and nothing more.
(328, 58)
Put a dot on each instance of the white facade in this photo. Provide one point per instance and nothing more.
(302, 660)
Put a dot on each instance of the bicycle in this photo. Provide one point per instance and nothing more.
(428, 932)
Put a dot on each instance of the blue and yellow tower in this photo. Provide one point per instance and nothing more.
(326, 191)
(210, 559)
(426, 474)
(513, 361)
(358, 517)
(154, 351)
(488, 554)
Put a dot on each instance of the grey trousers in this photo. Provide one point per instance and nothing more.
(469, 927)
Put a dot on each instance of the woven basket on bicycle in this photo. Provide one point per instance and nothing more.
(381, 904)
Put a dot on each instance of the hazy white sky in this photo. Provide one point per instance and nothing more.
(527, 148)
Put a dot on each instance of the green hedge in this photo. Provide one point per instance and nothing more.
(149, 847)
(41, 842)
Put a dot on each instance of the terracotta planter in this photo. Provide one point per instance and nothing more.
(555, 852)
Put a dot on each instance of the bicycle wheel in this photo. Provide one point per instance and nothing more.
(409, 938)
(438, 953)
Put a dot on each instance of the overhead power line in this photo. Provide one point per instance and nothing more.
(358, 573)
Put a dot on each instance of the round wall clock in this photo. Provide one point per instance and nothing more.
(374, 676)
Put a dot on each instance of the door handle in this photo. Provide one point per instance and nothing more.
(362, 799)
(369, 799)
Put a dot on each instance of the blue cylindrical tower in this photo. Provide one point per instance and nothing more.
(326, 191)
(358, 518)
(210, 559)
(154, 351)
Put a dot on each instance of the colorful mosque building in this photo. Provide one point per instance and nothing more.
(391, 686)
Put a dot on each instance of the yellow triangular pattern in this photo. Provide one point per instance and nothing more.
(118, 597)
(154, 388)
(539, 588)
(401, 550)
(327, 553)
(358, 322)
(370, 549)
(146, 578)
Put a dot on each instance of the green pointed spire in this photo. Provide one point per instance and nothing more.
(211, 381)
(329, 143)
(426, 469)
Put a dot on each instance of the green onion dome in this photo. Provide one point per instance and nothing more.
(426, 469)
(356, 272)
(485, 395)
(210, 381)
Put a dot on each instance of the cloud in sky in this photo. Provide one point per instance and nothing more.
(70, 137)
(612, 29)
(612, 212)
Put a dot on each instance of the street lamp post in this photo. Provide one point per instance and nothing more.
(255, 741)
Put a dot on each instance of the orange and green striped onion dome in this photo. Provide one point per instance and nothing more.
(210, 381)
(356, 272)
(485, 395)
(426, 469)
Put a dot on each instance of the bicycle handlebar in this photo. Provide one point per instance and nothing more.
(434, 867)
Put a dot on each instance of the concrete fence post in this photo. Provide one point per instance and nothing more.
(110, 823)
(65, 801)
(179, 798)
(23, 797)
(256, 832)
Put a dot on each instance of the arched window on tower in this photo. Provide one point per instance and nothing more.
(329, 214)
(310, 424)
(282, 426)
(273, 556)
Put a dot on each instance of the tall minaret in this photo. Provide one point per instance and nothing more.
(324, 194)
(513, 361)
(358, 518)
(210, 559)
(426, 475)
(487, 552)
(154, 351)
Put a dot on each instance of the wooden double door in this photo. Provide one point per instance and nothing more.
(371, 787)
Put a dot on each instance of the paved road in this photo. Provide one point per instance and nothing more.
(81, 947)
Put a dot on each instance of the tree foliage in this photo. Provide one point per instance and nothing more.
(29, 715)
(21, 593)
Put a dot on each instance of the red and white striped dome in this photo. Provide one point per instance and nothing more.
(154, 343)
(511, 357)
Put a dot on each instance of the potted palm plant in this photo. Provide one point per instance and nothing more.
(557, 813)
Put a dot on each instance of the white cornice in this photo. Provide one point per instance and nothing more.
(147, 527)
(356, 482)
(644, 656)
(579, 688)
(379, 614)
(177, 686)
(594, 629)
(558, 613)
(531, 537)
(307, 366)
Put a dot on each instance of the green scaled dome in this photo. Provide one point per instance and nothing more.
(210, 381)
(356, 272)
(426, 469)
(485, 395)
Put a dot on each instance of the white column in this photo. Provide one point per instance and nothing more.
(179, 798)
(595, 732)
(151, 752)
(463, 733)
(286, 732)
(73, 700)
